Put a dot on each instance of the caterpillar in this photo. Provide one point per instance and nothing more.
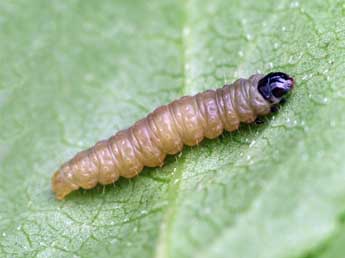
(186, 121)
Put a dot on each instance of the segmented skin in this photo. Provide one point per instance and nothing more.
(186, 121)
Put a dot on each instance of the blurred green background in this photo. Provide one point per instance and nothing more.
(73, 72)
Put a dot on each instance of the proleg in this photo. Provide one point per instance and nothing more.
(186, 121)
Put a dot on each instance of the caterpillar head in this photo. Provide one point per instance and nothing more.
(274, 86)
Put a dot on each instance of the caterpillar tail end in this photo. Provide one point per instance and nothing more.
(61, 187)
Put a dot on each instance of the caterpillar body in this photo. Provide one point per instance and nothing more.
(186, 121)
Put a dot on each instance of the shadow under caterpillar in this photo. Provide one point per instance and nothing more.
(186, 121)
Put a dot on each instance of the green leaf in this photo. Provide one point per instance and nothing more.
(74, 72)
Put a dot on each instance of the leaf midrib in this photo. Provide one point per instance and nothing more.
(165, 232)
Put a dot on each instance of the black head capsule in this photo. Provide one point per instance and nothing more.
(274, 86)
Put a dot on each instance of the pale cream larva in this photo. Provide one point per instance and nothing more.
(185, 121)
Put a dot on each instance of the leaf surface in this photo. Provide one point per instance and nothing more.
(74, 72)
